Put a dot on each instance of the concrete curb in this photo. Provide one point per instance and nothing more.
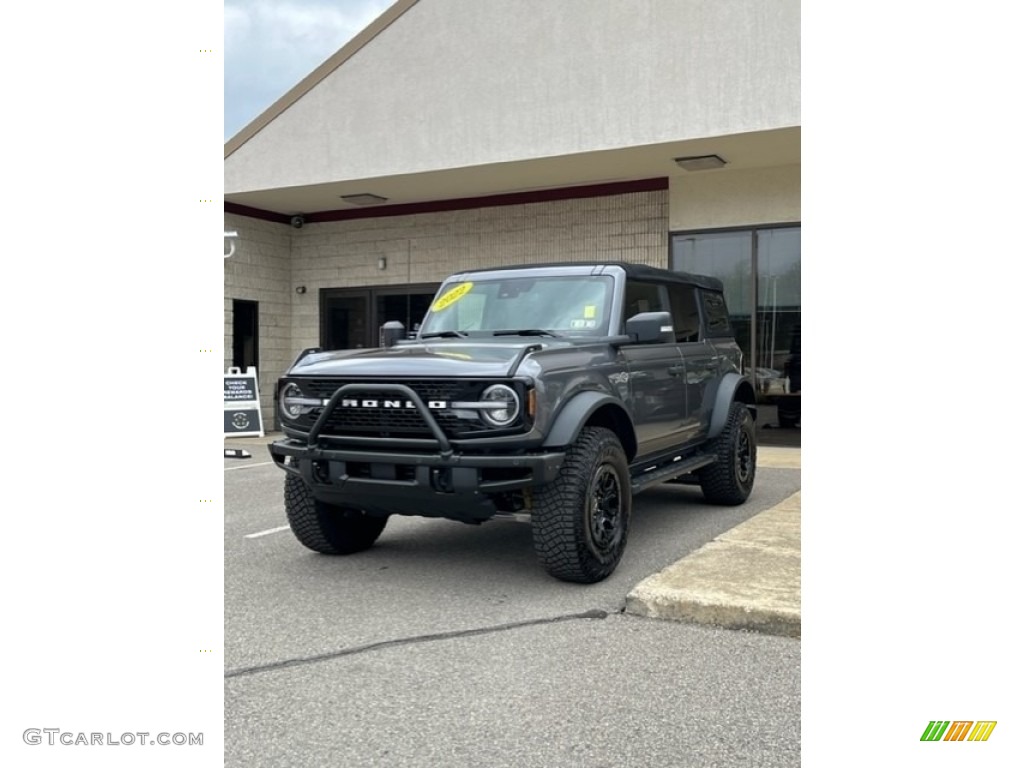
(778, 457)
(747, 578)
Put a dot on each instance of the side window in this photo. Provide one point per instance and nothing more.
(644, 297)
(685, 317)
(717, 314)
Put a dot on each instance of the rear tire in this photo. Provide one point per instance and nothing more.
(581, 520)
(326, 528)
(731, 478)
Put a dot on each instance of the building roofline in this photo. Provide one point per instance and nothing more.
(310, 81)
(460, 203)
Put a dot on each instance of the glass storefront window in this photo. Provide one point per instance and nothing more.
(778, 309)
(760, 268)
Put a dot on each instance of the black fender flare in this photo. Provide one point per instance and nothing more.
(577, 412)
(733, 388)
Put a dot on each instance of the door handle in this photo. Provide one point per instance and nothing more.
(676, 370)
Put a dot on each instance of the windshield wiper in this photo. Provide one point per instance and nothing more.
(444, 335)
(527, 332)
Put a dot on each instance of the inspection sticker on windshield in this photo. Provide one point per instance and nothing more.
(590, 311)
(451, 297)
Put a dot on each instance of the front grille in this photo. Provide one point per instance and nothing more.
(396, 422)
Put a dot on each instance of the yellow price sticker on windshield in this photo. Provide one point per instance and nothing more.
(590, 311)
(451, 297)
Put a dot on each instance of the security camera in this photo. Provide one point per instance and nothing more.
(298, 221)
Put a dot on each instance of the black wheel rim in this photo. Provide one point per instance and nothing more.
(744, 457)
(604, 507)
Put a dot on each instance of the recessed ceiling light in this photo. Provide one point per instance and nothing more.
(700, 163)
(364, 198)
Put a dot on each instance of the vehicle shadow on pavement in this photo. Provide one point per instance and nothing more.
(669, 522)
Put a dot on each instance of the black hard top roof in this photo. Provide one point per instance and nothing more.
(638, 271)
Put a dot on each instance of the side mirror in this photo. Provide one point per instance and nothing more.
(650, 328)
(391, 333)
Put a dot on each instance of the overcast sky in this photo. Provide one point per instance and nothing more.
(269, 45)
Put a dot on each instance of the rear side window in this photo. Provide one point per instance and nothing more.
(717, 314)
(685, 317)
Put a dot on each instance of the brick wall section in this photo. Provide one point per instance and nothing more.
(272, 260)
(425, 248)
(260, 271)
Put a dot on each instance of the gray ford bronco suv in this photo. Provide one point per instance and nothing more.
(556, 391)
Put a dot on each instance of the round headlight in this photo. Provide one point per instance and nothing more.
(507, 397)
(290, 401)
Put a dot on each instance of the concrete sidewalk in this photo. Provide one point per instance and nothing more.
(747, 578)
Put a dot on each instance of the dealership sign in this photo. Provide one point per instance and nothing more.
(242, 417)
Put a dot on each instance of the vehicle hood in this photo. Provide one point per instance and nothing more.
(439, 359)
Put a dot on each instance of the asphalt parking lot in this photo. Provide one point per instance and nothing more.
(447, 644)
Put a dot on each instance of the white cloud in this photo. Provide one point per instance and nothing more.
(269, 45)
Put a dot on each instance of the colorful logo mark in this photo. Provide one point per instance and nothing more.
(958, 730)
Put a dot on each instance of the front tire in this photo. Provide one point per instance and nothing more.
(730, 479)
(326, 528)
(581, 520)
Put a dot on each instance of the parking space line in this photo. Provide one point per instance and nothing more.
(249, 466)
(267, 532)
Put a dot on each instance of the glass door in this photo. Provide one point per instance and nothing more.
(350, 318)
(345, 320)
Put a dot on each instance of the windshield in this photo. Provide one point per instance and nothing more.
(572, 305)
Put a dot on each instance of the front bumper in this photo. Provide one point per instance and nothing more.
(428, 477)
(432, 484)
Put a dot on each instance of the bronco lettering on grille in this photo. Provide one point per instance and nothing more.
(434, 405)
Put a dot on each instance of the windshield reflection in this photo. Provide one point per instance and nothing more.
(575, 305)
